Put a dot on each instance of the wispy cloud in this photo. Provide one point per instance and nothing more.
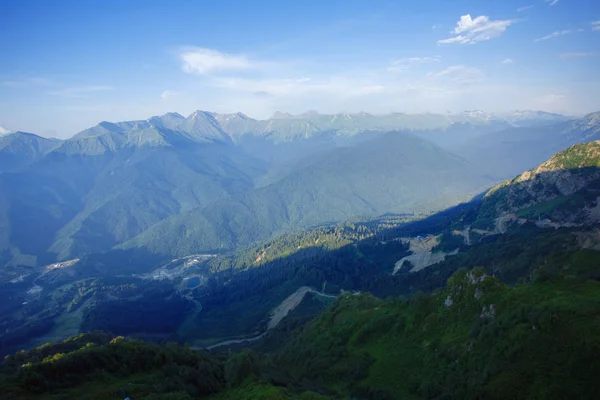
(508, 61)
(81, 92)
(596, 25)
(4, 131)
(204, 61)
(169, 94)
(31, 81)
(552, 2)
(404, 64)
(479, 29)
(558, 33)
(458, 74)
(578, 55)
(525, 8)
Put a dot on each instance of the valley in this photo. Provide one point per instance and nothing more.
(242, 271)
(316, 200)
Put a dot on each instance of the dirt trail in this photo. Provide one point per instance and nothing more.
(421, 256)
(466, 234)
(277, 315)
(503, 221)
(291, 303)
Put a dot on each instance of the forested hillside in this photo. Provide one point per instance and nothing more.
(212, 182)
(473, 339)
(512, 296)
(396, 172)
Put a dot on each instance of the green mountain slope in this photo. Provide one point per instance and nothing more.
(114, 186)
(565, 188)
(114, 181)
(396, 172)
(476, 339)
(128, 197)
(513, 314)
(20, 149)
(100, 366)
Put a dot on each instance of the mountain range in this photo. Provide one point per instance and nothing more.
(176, 185)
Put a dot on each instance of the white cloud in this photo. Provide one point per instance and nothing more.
(169, 94)
(557, 34)
(596, 25)
(405, 63)
(552, 2)
(578, 55)
(203, 61)
(508, 61)
(4, 131)
(525, 8)
(31, 81)
(458, 74)
(81, 92)
(471, 31)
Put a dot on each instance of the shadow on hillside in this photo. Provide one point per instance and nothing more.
(366, 265)
(237, 299)
(239, 294)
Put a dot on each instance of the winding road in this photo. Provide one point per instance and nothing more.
(277, 315)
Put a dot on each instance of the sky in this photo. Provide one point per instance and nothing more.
(67, 65)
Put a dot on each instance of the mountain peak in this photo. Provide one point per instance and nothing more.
(202, 114)
(477, 114)
(577, 156)
(175, 115)
(234, 116)
(309, 114)
(281, 115)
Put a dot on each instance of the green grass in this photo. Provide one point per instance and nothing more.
(66, 325)
(545, 209)
(542, 338)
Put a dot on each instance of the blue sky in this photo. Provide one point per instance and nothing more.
(66, 65)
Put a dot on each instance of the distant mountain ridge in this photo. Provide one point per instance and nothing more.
(214, 181)
(508, 152)
(211, 126)
(18, 149)
(396, 172)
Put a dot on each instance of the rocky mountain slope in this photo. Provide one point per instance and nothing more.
(568, 181)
